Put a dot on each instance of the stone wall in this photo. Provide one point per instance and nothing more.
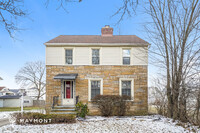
(110, 75)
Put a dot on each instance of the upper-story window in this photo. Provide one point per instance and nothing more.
(126, 56)
(69, 56)
(95, 56)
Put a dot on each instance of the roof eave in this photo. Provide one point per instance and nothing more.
(96, 44)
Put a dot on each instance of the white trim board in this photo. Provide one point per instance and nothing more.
(132, 86)
(89, 86)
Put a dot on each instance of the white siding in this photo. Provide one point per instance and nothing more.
(16, 102)
(1, 103)
(11, 103)
(111, 55)
(140, 56)
(82, 56)
(108, 55)
(27, 98)
(55, 56)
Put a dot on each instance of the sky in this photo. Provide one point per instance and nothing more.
(45, 23)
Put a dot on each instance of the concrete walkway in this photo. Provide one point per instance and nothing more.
(4, 121)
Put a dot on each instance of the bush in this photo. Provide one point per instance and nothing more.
(122, 105)
(112, 104)
(81, 109)
(38, 118)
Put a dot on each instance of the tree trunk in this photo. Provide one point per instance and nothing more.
(175, 91)
(182, 105)
(169, 94)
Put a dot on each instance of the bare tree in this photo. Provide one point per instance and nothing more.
(62, 3)
(176, 27)
(10, 12)
(33, 75)
(1, 78)
(193, 100)
(128, 8)
(157, 94)
(174, 35)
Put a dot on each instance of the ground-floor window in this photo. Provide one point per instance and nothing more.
(126, 87)
(95, 88)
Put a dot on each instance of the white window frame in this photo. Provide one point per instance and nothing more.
(132, 86)
(128, 48)
(73, 56)
(89, 86)
(99, 48)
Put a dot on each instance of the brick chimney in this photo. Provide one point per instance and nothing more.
(107, 31)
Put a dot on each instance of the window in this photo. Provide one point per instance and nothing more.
(126, 88)
(95, 56)
(69, 56)
(126, 56)
(26, 101)
(95, 87)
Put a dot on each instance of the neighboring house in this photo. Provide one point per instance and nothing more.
(32, 92)
(15, 101)
(6, 91)
(89, 65)
(11, 92)
(15, 91)
(1, 89)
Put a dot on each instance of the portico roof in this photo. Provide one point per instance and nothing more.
(71, 76)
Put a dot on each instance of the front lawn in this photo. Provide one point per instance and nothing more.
(18, 108)
(97, 124)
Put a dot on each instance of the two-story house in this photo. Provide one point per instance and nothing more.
(89, 65)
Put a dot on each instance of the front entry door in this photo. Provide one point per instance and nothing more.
(68, 93)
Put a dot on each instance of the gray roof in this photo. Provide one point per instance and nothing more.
(33, 88)
(14, 90)
(10, 97)
(71, 76)
(98, 39)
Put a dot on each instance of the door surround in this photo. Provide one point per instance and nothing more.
(68, 92)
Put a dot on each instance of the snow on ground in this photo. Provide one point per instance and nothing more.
(97, 124)
(6, 114)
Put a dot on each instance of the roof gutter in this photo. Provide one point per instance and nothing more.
(97, 44)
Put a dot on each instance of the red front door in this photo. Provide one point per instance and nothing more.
(68, 98)
(68, 89)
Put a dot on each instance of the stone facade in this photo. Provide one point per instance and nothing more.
(110, 76)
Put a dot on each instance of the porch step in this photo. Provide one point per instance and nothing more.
(69, 109)
(63, 113)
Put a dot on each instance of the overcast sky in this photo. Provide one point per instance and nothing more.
(43, 24)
